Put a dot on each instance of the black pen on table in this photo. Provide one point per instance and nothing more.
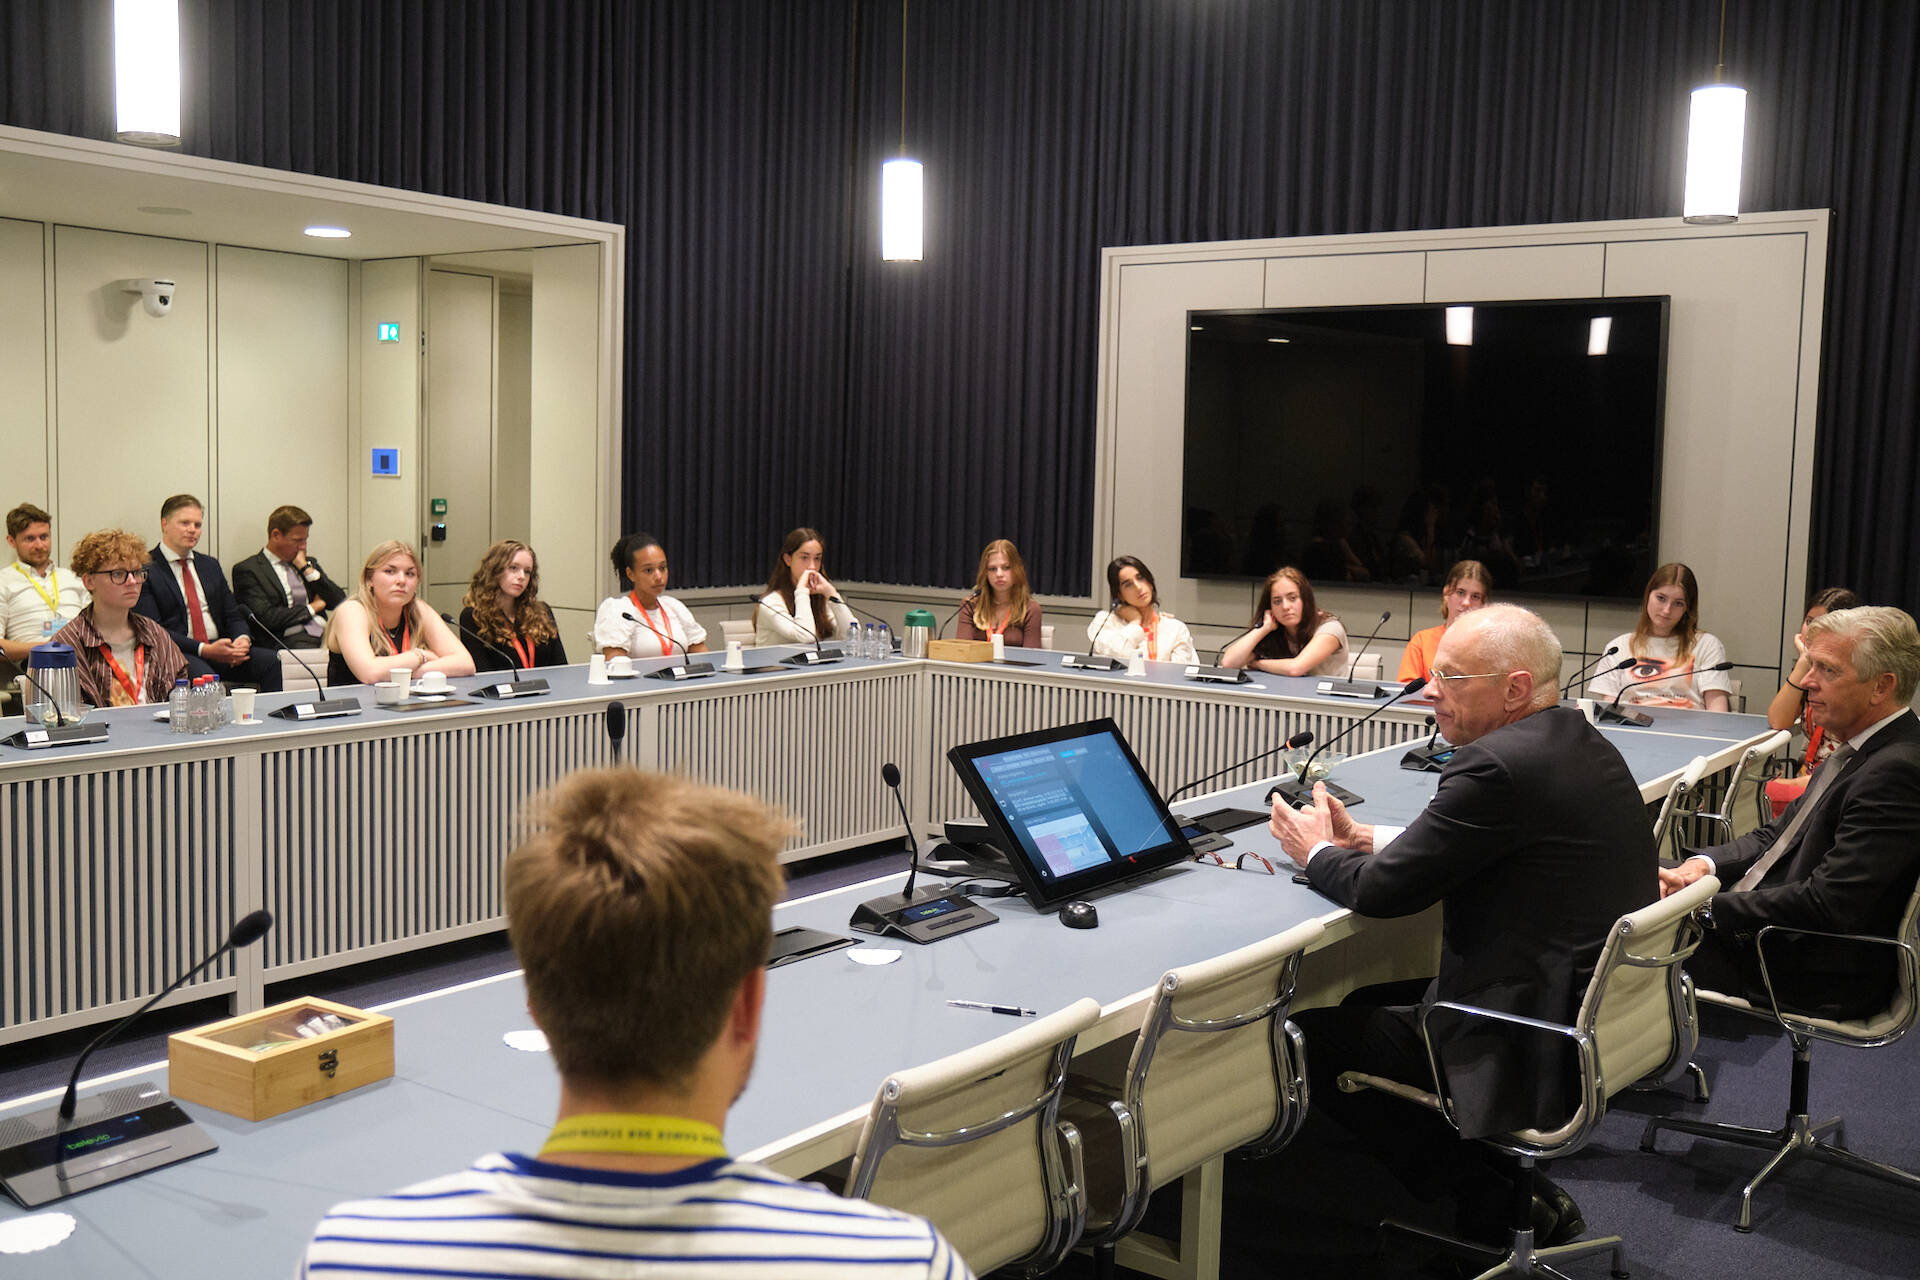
(1011, 1010)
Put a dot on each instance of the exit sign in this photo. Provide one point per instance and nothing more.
(389, 331)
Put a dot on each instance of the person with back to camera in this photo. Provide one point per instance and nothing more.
(1535, 842)
(1001, 604)
(1788, 710)
(1469, 586)
(1138, 625)
(660, 625)
(1290, 635)
(383, 625)
(1667, 641)
(121, 658)
(639, 906)
(796, 574)
(503, 607)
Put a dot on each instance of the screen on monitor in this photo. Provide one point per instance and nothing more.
(1384, 443)
(1071, 808)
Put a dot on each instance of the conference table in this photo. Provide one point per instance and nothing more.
(833, 1028)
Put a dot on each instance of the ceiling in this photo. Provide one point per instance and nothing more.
(80, 182)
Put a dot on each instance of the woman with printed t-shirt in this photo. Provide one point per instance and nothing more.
(1668, 642)
(644, 622)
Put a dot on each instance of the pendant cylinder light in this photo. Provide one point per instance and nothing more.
(1716, 136)
(146, 69)
(900, 210)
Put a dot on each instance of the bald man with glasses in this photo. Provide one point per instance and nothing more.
(1535, 842)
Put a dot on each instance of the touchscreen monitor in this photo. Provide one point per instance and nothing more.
(1071, 808)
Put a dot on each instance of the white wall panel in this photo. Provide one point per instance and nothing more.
(564, 505)
(130, 399)
(1344, 279)
(23, 373)
(280, 399)
(1525, 271)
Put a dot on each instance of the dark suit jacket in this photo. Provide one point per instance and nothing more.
(1534, 844)
(1851, 871)
(258, 586)
(161, 600)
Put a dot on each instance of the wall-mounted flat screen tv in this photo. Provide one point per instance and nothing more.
(1382, 444)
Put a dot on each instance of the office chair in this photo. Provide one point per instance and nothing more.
(1216, 1068)
(974, 1142)
(1798, 1137)
(1685, 787)
(1634, 1024)
(1721, 819)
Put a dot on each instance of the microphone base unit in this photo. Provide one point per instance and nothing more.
(324, 709)
(928, 915)
(1356, 689)
(1218, 675)
(1430, 757)
(1087, 662)
(114, 1135)
(38, 737)
(513, 689)
(1300, 794)
(683, 671)
(1607, 713)
(814, 657)
(1221, 821)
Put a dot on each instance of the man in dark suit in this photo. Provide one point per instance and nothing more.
(187, 594)
(1844, 857)
(1535, 842)
(284, 587)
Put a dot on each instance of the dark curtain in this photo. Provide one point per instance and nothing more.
(778, 373)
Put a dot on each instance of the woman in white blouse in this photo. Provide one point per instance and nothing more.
(1668, 642)
(645, 622)
(796, 575)
(1137, 624)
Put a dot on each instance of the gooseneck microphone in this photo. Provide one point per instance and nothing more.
(248, 930)
(691, 671)
(1300, 739)
(319, 685)
(616, 726)
(518, 688)
(1298, 792)
(927, 916)
(890, 774)
(63, 731)
(941, 631)
(865, 613)
(1384, 615)
(806, 657)
(325, 707)
(1430, 756)
(1087, 662)
(1581, 674)
(1613, 713)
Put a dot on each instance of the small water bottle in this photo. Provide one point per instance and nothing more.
(222, 705)
(177, 706)
(869, 642)
(886, 642)
(203, 706)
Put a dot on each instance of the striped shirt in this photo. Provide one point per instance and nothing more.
(515, 1216)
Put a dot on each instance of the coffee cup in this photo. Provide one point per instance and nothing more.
(620, 666)
(387, 693)
(597, 669)
(433, 682)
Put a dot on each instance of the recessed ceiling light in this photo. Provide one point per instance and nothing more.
(329, 233)
(1197, 328)
(166, 210)
(1279, 339)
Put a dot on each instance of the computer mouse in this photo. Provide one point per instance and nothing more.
(1079, 915)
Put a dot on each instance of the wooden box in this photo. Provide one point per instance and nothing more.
(961, 650)
(257, 1065)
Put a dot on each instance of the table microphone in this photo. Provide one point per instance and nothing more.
(1581, 674)
(1612, 712)
(1300, 739)
(319, 685)
(1088, 662)
(924, 917)
(616, 726)
(894, 639)
(325, 707)
(61, 732)
(941, 631)
(1350, 687)
(805, 658)
(1384, 615)
(1430, 756)
(518, 688)
(248, 930)
(1299, 793)
(690, 671)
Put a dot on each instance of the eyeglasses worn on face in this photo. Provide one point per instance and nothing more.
(1449, 676)
(119, 576)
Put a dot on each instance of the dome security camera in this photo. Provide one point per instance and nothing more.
(156, 296)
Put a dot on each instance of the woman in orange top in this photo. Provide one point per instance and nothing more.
(1788, 709)
(1469, 586)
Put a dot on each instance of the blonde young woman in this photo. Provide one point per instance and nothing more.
(1000, 604)
(383, 625)
(1668, 642)
(503, 607)
(1469, 587)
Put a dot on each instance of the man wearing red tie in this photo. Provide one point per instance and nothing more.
(187, 594)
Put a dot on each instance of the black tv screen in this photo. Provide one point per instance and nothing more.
(1362, 445)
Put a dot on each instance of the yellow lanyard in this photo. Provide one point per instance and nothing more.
(635, 1135)
(53, 578)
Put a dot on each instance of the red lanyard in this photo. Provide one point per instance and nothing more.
(1000, 627)
(139, 681)
(1150, 629)
(406, 637)
(646, 620)
(522, 648)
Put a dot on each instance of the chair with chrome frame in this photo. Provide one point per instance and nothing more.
(974, 1142)
(1722, 817)
(1216, 1069)
(1674, 807)
(1635, 1025)
(1798, 1137)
